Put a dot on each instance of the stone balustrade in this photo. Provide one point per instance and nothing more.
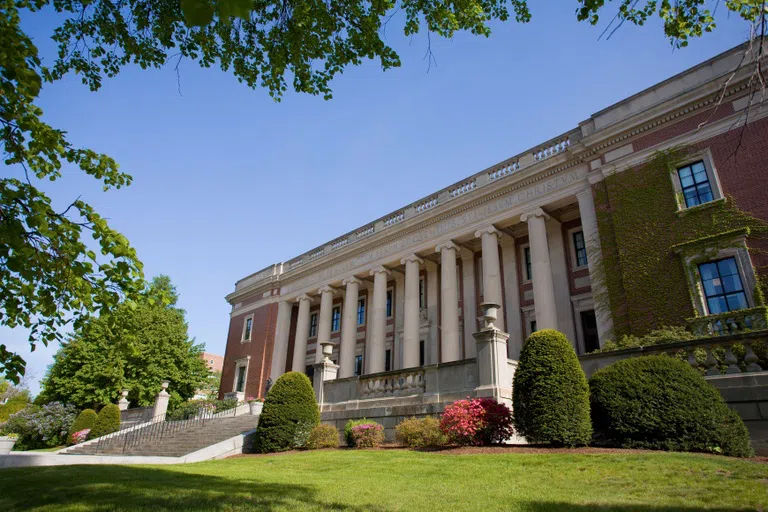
(460, 190)
(365, 232)
(426, 205)
(733, 322)
(394, 219)
(397, 383)
(504, 171)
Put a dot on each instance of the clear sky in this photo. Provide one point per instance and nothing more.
(227, 181)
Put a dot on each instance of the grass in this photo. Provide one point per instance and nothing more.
(379, 480)
(55, 448)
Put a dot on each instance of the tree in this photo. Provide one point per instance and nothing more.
(135, 347)
(13, 398)
(49, 276)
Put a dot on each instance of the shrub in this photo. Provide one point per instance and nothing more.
(85, 420)
(107, 421)
(479, 421)
(80, 436)
(420, 432)
(368, 435)
(290, 413)
(350, 425)
(323, 436)
(190, 409)
(41, 427)
(661, 403)
(666, 334)
(550, 395)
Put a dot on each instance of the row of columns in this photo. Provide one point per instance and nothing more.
(490, 237)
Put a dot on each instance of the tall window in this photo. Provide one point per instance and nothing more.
(581, 249)
(387, 360)
(361, 312)
(240, 379)
(313, 325)
(358, 365)
(527, 257)
(695, 184)
(422, 298)
(722, 285)
(533, 326)
(421, 353)
(335, 319)
(247, 328)
(389, 303)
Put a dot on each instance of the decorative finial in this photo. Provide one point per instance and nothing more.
(490, 313)
(327, 350)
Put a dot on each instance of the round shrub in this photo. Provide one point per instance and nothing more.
(44, 426)
(479, 421)
(350, 425)
(85, 420)
(323, 436)
(550, 395)
(661, 403)
(107, 421)
(420, 432)
(289, 415)
(369, 435)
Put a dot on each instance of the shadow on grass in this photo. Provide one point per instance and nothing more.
(133, 488)
(570, 507)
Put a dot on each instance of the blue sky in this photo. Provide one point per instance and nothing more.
(227, 181)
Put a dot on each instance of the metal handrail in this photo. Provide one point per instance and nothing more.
(159, 428)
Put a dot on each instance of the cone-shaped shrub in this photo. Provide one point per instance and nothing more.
(85, 420)
(107, 421)
(662, 403)
(289, 415)
(550, 394)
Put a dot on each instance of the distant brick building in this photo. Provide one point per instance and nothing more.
(214, 362)
(676, 239)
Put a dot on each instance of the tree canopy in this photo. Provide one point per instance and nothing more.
(135, 347)
(49, 275)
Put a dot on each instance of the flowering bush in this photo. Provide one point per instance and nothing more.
(420, 432)
(350, 425)
(368, 436)
(80, 436)
(252, 399)
(477, 421)
(41, 427)
(323, 436)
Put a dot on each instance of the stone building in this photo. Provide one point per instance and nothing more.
(555, 234)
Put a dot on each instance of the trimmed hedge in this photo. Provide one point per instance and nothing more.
(323, 436)
(107, 421)
(86, 419)
(661, 403)
(289, 415)
(550, 393)
(420, 432)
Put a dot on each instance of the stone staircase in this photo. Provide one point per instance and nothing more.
(175, 444)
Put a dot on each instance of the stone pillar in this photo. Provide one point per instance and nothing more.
(411, 311)
(489, 238)
(349, 328)
(324, 320)
(379, 327)
(302, 334)
(161, 402)
(495, 375)
(594, 257)
(431, 351)
(123, 404)
(469, 301)
(282, 331)
(561, 281)
(543, 288)
(512, 297)
(325, 371)
(449, 303)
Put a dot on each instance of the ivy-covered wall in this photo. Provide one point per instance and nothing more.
(639, 224)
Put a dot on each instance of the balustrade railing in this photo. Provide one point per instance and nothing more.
(551, 149)
(406, 382)
(733, 322)
(394, 219)
(467, 186)
(426, 205)
(503, 171)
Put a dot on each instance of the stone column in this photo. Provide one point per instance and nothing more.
(512, 297)
(449, 303)
(349, 328)
(561, 281)
(411, 311)
(379, 327)
(302, 334)
(489, 237)
(123, 404)
(431, 350)
(494, 374)
(470, 301)
(324, 320)
(282, 330)
(161, 402)
(594, 257)
(543, 288)
(325, 371)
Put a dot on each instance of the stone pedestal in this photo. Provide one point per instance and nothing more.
(122, 404)
(161, 403)
(494, 369)
(325, 370)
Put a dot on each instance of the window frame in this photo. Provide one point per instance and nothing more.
(574, 252)
(723, 294)
(243, 362)
(336, 320)
(364, 311)
(313, 326)
(355, 372)
(523, 264)
(243, 339)
(389, 302)
(704, 156)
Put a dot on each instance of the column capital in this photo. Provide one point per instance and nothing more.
(302, 297)
(411, 257)
(379, 269)
(326, 289)
(351, 280)
(585, 194)
(447, 244)
(491, 230)
(536, 212)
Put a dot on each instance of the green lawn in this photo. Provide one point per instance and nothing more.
(399, 480)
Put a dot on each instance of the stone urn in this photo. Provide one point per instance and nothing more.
(490, 314)
(256, 408)
(6, 444)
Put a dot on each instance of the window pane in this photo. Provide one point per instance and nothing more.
(717, 305)
(705, 193)
(686, 179)
(698, 167)
(736, 301)
(691, 198)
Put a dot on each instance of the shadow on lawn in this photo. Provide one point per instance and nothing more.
(132, 488)
(570, 507)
